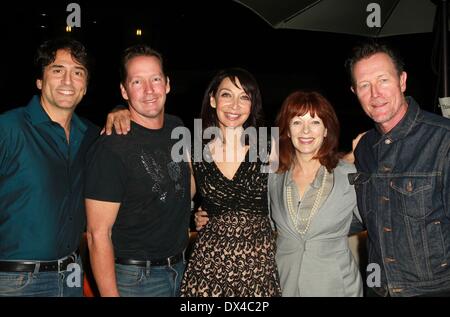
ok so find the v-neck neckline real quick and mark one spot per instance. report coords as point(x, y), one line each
point(237, 170)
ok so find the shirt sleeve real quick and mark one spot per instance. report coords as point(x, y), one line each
point(2, 155)
point(105, 175)
point(3, 151)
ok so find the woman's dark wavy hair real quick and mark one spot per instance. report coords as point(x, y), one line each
point(250, 86)
point(46, 54)
point(300, 103)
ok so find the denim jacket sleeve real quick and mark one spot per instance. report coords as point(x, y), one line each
point(446, 187)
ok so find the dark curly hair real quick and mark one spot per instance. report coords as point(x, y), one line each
point(46, 54)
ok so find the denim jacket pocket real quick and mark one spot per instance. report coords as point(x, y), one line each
point(413, 194)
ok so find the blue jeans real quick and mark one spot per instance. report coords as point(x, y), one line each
point(43, 284)
point(156, 281)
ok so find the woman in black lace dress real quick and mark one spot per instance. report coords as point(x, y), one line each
point(234, 254)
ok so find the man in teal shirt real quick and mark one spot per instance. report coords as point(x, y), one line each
point(42, 152)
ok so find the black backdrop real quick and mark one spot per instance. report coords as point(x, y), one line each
point(196, 39)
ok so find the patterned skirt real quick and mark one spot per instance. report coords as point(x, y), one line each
point(234, 255)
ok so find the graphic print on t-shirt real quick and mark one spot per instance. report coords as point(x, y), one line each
point(155, 170)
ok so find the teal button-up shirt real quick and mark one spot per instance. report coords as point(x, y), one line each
point(42, 213)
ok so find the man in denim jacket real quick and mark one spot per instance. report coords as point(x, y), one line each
point(403, 180)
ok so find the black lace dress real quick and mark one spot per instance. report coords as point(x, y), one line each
point(234, 254)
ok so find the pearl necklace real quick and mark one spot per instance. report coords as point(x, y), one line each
point(295, 215)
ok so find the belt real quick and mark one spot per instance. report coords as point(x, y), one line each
point(39, 266)
point(145, 263)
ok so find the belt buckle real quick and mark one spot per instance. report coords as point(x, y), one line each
point(73, 257)
point(64, 262)
point(60, 263)
point(37, 267)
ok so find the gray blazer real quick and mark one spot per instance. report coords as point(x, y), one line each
point(319, 263)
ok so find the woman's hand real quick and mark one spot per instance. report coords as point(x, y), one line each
point(356, 140)
point(201, 219)
point(349, 157)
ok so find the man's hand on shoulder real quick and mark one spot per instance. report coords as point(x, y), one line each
point(120, 119)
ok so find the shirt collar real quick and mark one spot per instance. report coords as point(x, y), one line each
point(405, 125)
point(36, 112)
point(38, 115)
point(316, 182)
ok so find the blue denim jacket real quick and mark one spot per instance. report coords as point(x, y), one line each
point(403, 190)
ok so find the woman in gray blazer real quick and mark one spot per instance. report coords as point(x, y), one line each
point(312, 202)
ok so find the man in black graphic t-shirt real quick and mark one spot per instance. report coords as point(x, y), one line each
point(137, 197)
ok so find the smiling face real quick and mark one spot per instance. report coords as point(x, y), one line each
point(380, 90)
point(63, 83)
point(307, 134)
point(232, 104)
point(145, 88)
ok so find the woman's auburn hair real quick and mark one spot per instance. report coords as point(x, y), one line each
point(300, 103)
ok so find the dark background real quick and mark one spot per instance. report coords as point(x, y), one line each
point(197, 38)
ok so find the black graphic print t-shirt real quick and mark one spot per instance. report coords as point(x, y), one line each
point(137, 171)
